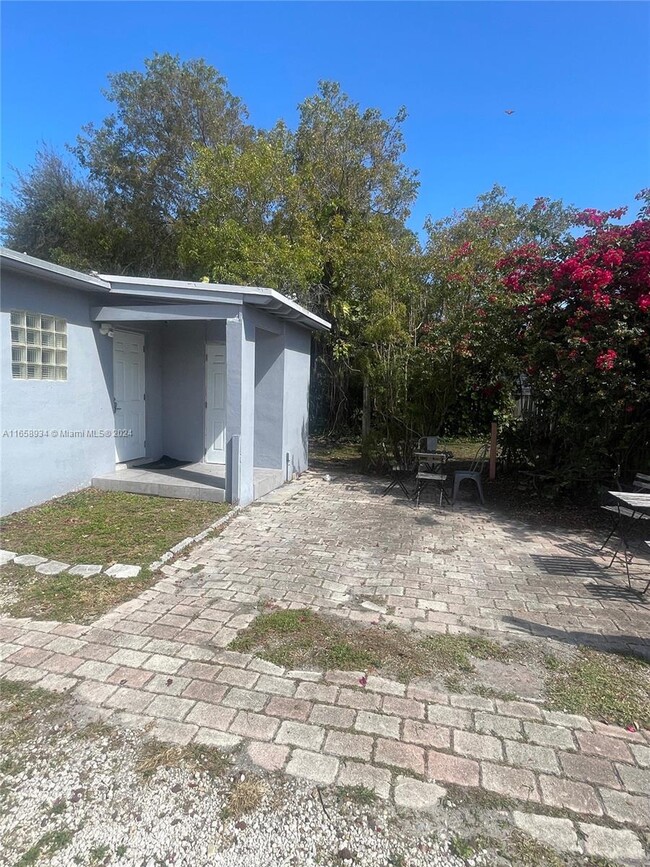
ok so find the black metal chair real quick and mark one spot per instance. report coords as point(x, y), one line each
point(400, 468)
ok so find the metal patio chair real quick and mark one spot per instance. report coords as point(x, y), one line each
point(473, 473)
point(431, 471)
point(400, 469)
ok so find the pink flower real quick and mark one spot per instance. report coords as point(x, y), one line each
point(613, 258)
point(644, 302)
point(590, 217)
point(606, 360)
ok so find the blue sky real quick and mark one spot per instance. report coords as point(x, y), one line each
point(577, 75)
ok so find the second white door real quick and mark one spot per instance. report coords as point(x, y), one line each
point(215, 403)
point(128, 395)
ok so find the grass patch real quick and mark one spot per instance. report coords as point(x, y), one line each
point(335, 455)
point(244, 797)
point(604, 686)
point(462, 448)
point(462, 848)
point(361, 795)
point(93, 526)
point(64, 597)
point(22, 709)
point(301, 639)
point(194, 757)
point(20, 703)
point(454, 652)
point(48, 845)
point(526, 852)
point(98, 855)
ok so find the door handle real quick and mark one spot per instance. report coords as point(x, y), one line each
point(115, 406)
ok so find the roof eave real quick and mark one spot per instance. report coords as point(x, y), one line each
point(21, 263)
point(201, 291)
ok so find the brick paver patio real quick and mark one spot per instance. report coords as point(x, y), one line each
point(160, 659)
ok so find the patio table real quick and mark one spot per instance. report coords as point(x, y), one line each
point(638, 505)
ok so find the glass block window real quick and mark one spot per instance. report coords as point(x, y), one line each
point(39, 346)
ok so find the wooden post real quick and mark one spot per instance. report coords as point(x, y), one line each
point(365, 415)
point(365, 427)
point(493, 452)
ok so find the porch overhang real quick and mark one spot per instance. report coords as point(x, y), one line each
point(166, 312)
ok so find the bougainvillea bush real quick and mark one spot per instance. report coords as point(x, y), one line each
point(583, 336)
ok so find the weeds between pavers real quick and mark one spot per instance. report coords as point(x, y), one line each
point(607, 686)
point(301, 639)
point(93, 526)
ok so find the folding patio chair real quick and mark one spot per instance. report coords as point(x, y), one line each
point(400, 469)
point(431, 472)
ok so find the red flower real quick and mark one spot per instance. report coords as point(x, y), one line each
point(606, 360)
point(644, 302)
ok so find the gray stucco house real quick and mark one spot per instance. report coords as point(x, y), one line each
point(104, 375)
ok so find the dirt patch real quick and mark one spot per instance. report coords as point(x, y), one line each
point(522, 680)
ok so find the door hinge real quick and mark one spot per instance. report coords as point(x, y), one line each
point(144, 397)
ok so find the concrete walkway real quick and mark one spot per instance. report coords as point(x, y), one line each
point(160, 660)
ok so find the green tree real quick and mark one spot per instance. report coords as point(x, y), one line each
point(358, 194)
point(57, 215)
point(318, 213)
point(467, 354)
point(249, 226)
point(134, 178)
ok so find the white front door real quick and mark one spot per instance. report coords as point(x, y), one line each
point(215, 403)
point(128, 395)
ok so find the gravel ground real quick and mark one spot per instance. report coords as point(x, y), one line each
point(73, 794)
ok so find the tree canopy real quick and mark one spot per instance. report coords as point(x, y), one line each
point(427, 338)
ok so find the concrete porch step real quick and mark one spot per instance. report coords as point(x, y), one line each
point(190, 482)
point(166, 489)
point(198, 481)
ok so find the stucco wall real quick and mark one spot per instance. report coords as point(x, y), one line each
point(34, 469)
point(183, 390)
point(269, 399)
point(297, 358)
